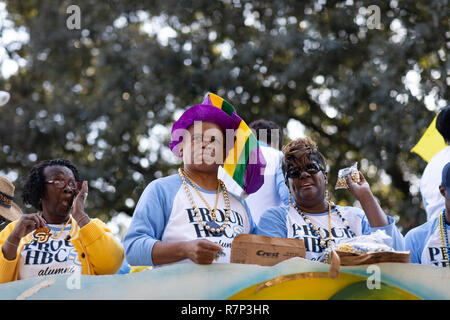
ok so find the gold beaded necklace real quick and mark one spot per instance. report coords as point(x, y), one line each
point(323, 242)
point(444, 237)
point(211, 226)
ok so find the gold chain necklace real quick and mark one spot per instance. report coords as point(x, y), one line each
point(62, 229)
point(43, 234)
point(213, 211)
point(211, 226)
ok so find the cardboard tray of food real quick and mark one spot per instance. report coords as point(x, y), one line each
point(353, 259)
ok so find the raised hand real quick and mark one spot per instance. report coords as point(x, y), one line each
point(78, 212)
point(26, 224)
point(359, 189)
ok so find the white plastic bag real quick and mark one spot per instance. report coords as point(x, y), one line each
point(377, 241)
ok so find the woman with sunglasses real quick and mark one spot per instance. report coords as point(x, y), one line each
point(311, 216)
point(60, 238)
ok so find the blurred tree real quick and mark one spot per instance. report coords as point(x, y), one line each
point(105, 96)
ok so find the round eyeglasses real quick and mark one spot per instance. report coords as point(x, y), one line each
point(61, 184)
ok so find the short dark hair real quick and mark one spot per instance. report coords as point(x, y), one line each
point(266, 136)
point(298, 153)
point(443, 123)
point(35, 184)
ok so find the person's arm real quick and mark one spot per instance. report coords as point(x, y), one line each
point(146, 227)
point(142, 243)
point(7, 266)
point(253, 227)
point(417, 239)
point(273, 223)
point(200, 251)
point(374, 218)
point(26, 224)
point(78, 213)
point(104, 253)
point(280, 185)
point(396, 241)
point(9, 243)
point(414, 246)
point(361, 191)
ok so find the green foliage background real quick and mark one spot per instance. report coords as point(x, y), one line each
point(93, 95)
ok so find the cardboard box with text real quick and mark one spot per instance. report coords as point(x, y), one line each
point(265, 251)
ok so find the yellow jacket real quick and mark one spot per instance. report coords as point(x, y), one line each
point(98, 251)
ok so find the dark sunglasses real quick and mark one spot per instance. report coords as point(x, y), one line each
point(310, 168)
point(60, 184)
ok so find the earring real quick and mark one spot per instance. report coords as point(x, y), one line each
point(327, 196)
point(290, 199)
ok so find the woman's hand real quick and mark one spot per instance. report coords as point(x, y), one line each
point(78, 206)
point(26, 224)
point(202, 251)
point(361, 189)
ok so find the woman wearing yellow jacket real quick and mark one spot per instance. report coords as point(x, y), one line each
point(60, 238)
